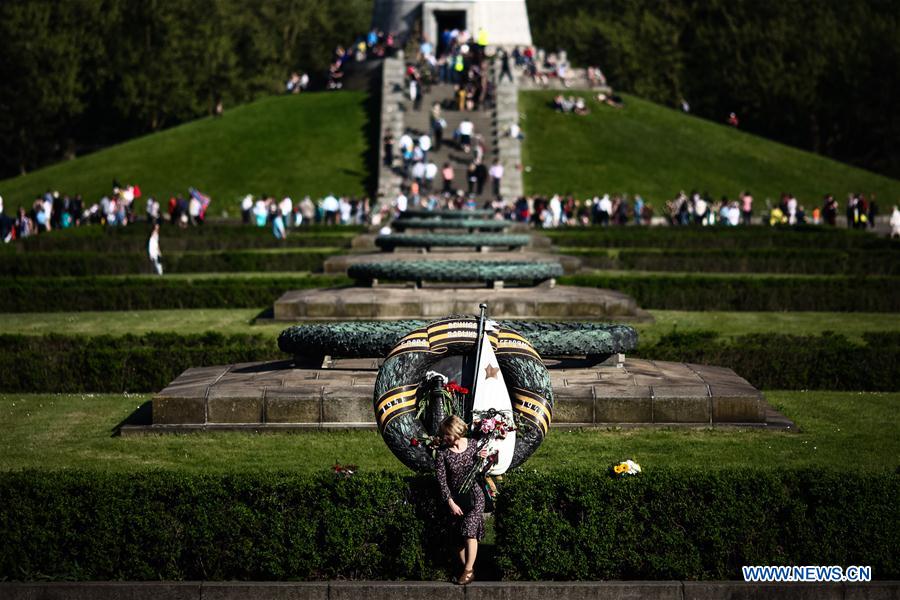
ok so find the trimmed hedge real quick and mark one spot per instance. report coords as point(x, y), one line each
point(810, 262)
point(706, 524)
point(736, 238)
point(80, 525)
point(130, 363)
point(565, 525)
point(791, 362)
point(73, 294)
point(211, 236)
point(750, 293)
point(653, 291)
point(45, 264)
point(147, 363)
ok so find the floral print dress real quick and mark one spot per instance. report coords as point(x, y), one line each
point(451, 469)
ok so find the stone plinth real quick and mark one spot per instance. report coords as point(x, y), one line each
point(389, 302)
point(277, 396)
point(339, 264)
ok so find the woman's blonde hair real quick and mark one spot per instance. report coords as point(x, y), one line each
point(453, 426)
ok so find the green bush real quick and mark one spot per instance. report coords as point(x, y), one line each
point(657, 291)
point(754, 260)
point(750, 292)
point(791, 362)
point(705, 524)
point(565, 525)
point(107, 263)
point(147, 363)
point(73, 294)
point(167, 526)
point(211, 236)
point(724, 238)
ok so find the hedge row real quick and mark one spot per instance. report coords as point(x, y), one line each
point(750, 292)
point(654, 291)
point(130, 363)
point(695, 525)
point(738, 238)
point(46, 264)
point(566, 525)
point(147, 363)
point(169, 526)
point(813, 261)
point(211, 236)
point(791, 362)
point(71, 294)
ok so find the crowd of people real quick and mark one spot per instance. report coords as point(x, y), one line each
point(280, 215)
point(55, 210)
point(684, 209)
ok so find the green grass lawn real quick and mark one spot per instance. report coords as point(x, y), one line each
point(655, 151)
point(311, 144)
point(836, 430)
point(241, 320)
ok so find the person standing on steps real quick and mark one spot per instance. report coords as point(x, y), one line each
point(447, 174)
point(504, 67)
point(496, 173)
point(453, 462)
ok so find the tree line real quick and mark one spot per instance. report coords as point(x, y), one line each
point(76, 75)
point(819, 75)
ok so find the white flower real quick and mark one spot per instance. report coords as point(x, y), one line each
point(435, 375)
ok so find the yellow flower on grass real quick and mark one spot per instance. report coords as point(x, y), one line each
point(620, 468)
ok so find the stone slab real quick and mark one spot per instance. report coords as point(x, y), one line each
point(738, 590)
point(575, 590)
point(432, 590)
point(339, 394)
point(397, 302)
point(339, 264)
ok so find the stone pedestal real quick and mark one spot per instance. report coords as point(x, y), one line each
point(395, 302)
point(276, 396)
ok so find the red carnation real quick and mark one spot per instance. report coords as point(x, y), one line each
point(414, 442)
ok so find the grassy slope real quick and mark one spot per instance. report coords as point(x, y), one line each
point(837, 431)
point(240, 320)
point(283, 145)
point(655, 151)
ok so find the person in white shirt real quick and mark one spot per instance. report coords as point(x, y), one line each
point(286, 206)
point(330, 206)
point(496, 173)
point(431, 171)
point(734, 214)
point(153, 250)
point(895, 223)
point(401, 203)
point(425, 143)
point(246, 208)
point(466, 130)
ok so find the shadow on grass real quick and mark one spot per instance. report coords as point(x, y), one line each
point(142, 416)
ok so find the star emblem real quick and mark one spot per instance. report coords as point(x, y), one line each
point(491, 371)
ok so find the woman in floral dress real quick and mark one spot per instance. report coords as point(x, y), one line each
point(454, 461)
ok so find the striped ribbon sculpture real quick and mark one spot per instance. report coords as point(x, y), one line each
point(399, 386)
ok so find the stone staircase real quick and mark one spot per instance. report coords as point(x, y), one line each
point(419, 121)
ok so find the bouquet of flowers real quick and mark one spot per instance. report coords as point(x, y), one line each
point(487, 426)
point(450, 394)
point(626, 468)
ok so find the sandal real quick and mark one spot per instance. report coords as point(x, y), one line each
point(467, 577)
